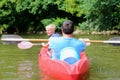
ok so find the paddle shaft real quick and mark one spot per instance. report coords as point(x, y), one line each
point(46, 40)
point(100, 41)
point(31, 40)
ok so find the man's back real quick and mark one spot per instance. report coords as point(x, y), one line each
point(59, 43)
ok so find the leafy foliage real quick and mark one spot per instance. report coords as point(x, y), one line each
point(57, 21)
point(23, 16)
point(105, 15)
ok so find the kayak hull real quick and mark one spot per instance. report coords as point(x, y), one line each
point(60, 70)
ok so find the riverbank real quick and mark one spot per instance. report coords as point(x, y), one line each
point(113, 32)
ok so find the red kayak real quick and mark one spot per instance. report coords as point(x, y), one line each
point(60, 70)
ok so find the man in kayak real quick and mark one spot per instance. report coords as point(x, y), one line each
point(66, 48)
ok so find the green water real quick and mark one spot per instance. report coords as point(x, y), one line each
point(17, 64)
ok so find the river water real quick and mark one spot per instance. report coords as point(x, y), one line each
point(19, 64)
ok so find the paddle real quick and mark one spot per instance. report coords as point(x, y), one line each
point(9, 37)
point(27, 45)
point(14, 39)
point(115, 41)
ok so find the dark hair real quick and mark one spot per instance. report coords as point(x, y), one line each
point(68, 27)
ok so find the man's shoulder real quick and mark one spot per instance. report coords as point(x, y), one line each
point(78, 41)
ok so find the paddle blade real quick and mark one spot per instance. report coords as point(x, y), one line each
point(25, 45)
point(116, 39)
point(10, 36)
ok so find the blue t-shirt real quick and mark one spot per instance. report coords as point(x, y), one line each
point(56, 44)
point(55, 35)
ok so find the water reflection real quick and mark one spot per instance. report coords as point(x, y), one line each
point(45, 77)
point(25, 70)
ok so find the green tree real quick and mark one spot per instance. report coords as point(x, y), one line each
point(104, 15)
point(25, 15)
point(32, 15)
